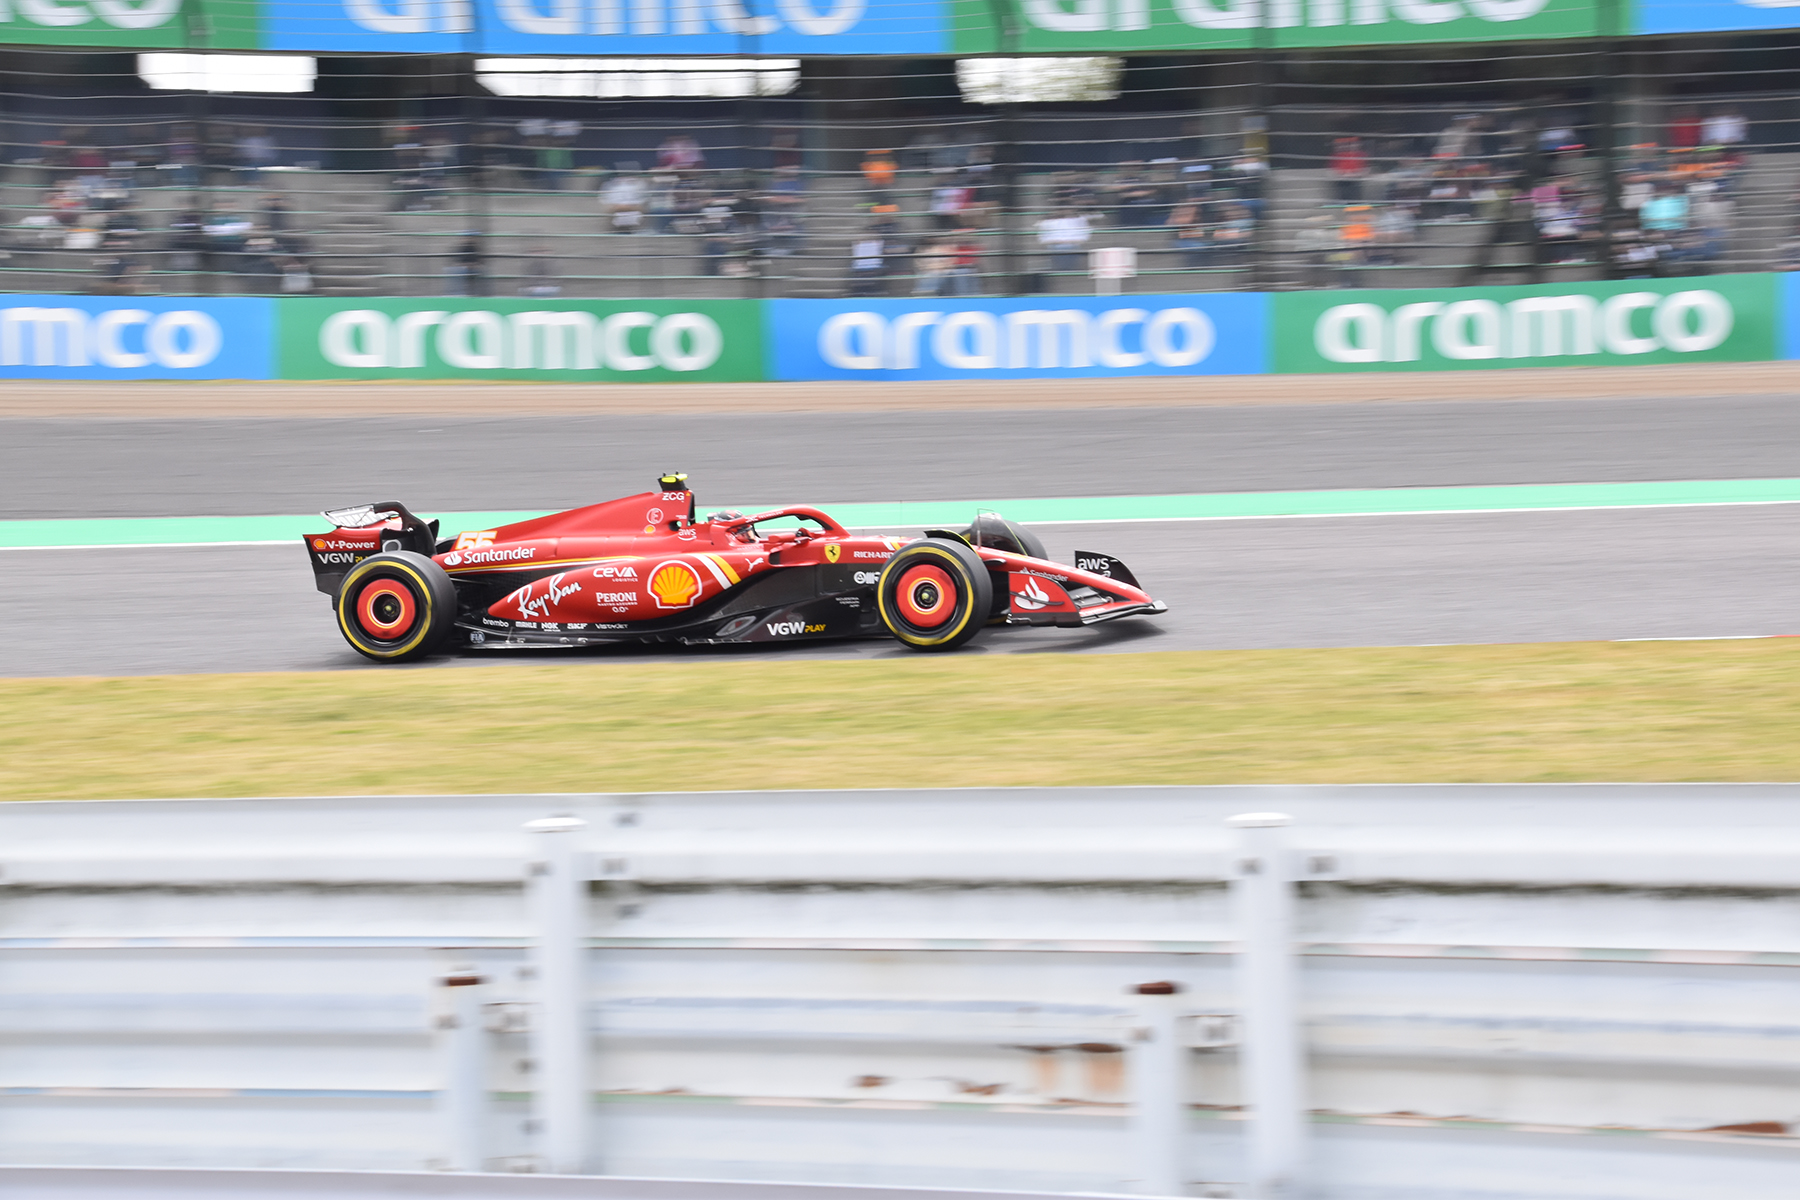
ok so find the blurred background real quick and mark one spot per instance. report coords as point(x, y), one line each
point(737, 176)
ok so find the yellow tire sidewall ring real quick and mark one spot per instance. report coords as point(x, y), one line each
point(421, 628)
point(958, 570)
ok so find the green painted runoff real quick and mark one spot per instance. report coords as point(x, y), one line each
point(204, 531)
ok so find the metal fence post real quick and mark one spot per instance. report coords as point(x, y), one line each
point(1159, 1093)
point(559, 1026)
point(1272, 1056)
point(464, 1097)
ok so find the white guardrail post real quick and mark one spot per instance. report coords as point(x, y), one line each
point(1272, 1055)
point(463, 1100)
point(559, 1041)
point(1159, 1093)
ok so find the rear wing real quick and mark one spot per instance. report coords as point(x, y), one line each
point(363, 530)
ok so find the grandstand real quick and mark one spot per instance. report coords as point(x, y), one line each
point(443, 174)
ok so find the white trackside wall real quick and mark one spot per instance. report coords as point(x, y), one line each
point(1504, 991)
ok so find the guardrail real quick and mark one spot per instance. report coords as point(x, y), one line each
point(924, 988)
point(126, 1183)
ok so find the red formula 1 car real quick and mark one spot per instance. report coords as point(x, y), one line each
point(646, 569)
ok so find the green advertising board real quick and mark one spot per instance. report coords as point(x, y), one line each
point(133, 24)
point(1634, 322)
point(1064, 26)
point(592, 341)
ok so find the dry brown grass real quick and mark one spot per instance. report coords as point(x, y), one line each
point(1645, 711)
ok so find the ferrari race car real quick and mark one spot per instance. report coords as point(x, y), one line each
point(646, 569)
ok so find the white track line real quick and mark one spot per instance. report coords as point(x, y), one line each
point(1404, 512)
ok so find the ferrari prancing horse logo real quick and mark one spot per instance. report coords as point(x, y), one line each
point(832, 553)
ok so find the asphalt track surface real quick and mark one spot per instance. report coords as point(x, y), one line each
point(1333, 581)
point(212, 467)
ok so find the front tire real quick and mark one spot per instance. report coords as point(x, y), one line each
point(396, 606)
point(934, 595)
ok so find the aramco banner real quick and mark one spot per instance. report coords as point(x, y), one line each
point(1043, 337)
point(824, 27)
point(618, 341)
point(1089, 25)
point(1720, 318)
point(139, 24)
point(1695, 16)
point(559, 27)
point(165, 337)
point(647, 27)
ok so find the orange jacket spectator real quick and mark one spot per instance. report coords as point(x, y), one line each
point(1359, 226)
point(879, 169)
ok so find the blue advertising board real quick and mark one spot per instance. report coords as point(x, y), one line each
point(1694, 16)
point(1787, 316)
point(133, 337)
point(652, 28)
point(1044, 337)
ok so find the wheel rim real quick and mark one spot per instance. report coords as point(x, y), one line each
point(926, 596)
point(386, 609)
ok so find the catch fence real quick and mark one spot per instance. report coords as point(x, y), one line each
point(683, 178)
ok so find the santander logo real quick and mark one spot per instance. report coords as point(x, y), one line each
point(1033, 597)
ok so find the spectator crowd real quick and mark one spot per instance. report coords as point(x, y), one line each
point(89, 204)
point(1531, 182)
point(923, 218)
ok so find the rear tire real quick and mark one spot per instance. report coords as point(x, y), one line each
point(935, 594)
point(396, 606)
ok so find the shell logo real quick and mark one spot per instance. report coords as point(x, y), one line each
point(318, 543)
point(674, 585)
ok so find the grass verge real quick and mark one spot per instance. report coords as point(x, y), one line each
point(1638, 711)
